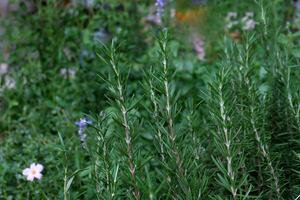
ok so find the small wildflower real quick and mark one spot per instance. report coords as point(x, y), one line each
point(199, 47)
point(297, 5)
point(68, 72)
point(9, 83)
point(82, 124)
point(231, 15)
point(249, 24)
point(230, 20)
point(173, 13)
point(160, 7)
point(3, 68)
point(34, 171)
point(155, 19)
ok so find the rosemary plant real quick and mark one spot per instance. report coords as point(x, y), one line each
point(119, 99)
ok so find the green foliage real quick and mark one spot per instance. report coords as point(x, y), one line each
point(166, 125)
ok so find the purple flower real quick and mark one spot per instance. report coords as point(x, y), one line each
point(160, 7)
point(82, 124)
point(154, 19)
point(199, 47)
point(297, 5)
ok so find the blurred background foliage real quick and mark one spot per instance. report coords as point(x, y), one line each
point(51, 49)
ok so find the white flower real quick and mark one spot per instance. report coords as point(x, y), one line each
point(230, 20)
point(9, 82)
point(249, 24)
point(232, 15)
point(68, 72)
point(173, 13)
point(3, 68)
point(33, 172)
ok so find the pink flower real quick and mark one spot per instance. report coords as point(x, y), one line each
point(33, 172)
point(199, 47)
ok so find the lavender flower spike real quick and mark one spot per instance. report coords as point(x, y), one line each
point(82, 124)
point(160, 7)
